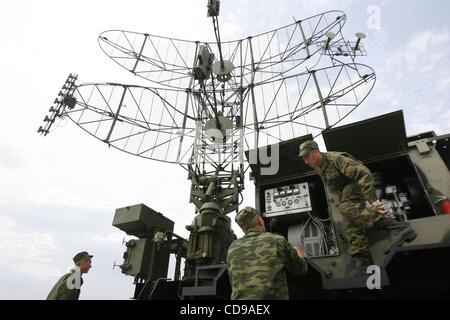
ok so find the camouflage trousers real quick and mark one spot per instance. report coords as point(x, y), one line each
point(357, 220)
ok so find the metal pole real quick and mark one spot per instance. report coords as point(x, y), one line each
point(116, 115)
point(304, 39)
point(140, 54)
point(322, 103)
point(241, 120)
point(251, 86)
point(188, 91)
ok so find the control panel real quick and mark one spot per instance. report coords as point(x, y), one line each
point(288, 199)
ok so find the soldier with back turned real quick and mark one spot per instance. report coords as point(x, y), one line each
point(257, 262)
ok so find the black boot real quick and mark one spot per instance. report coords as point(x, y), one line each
point(400, 232)
point(357, 266)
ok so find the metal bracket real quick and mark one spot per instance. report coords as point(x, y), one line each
point(422, 144)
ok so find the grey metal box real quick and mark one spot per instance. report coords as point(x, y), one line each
point(141, 221)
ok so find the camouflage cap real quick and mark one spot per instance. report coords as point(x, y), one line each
point(306, 147)
point(80, 256)
point(244, 216)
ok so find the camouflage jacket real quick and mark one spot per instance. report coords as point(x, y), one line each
point(347, 177)
point(61, 291)
point(256, 266)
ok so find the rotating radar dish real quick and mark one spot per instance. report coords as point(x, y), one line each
point(209, 102)
point(270, 55)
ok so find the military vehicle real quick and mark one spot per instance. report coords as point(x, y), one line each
point(216, 104)
point(412, 180)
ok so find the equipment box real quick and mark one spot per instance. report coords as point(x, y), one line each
point(141, 221)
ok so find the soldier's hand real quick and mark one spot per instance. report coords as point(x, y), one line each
point(300, 252)
point(379, 207)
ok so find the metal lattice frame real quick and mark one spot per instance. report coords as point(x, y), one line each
point(286, 83)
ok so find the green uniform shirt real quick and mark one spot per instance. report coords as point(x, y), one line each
point(347, 177)
point(61, 291)
point(256, 266)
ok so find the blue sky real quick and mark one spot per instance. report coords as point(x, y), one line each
point(58, 194)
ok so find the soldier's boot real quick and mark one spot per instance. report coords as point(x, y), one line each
point(400, 232)
point(357, 266)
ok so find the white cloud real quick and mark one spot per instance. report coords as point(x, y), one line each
point(64, 197)
point(250, 18)
point(26, 252)
point(414, 78)
point(112, 237)
point(423, 117)
point(443, 84)
point(425, 50)
point(321, 5)
point(9, 158)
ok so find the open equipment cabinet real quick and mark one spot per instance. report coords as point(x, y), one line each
point(411, 177)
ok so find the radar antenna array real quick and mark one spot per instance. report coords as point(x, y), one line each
point(210, 101)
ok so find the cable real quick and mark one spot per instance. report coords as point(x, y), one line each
point(217, 34)
point(325, 238)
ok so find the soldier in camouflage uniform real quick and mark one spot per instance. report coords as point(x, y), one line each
point(256, 263)
point(353, 184)
point(68, 286)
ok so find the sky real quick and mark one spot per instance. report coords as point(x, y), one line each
point(58, 193)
